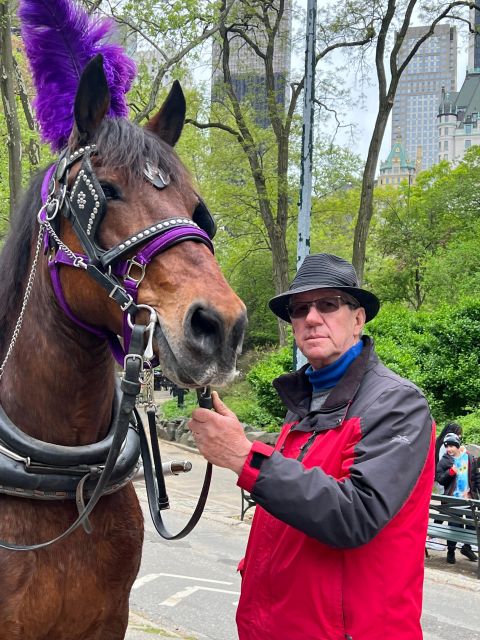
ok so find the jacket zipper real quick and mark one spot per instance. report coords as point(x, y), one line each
point(306, 445)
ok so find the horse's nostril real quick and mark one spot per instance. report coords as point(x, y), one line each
point(206, 329)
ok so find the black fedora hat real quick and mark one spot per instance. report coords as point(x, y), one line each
point(325, 271)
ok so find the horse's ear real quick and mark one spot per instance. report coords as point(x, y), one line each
point(92, 100)
point(168, 122)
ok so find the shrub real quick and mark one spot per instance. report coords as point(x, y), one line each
point(438, 352)
point(260, 378)
point(471, 427)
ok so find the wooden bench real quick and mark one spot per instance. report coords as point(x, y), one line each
point(247, 502)
point(446, 512)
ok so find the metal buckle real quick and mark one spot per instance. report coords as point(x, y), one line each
point(126, 304)
point(133, 263)
point(133, 356)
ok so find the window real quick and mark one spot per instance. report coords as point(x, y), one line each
point(445, 145)
point(468, 129)
point(468, 144)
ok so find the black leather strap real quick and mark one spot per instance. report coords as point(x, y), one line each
point(155, 483)
point(131, 388)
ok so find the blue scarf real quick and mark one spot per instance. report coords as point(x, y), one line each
point(327, 377)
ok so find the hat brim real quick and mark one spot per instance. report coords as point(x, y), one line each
point(367, 300)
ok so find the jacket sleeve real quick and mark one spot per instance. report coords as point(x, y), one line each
point(388, 460)
point(443, 475)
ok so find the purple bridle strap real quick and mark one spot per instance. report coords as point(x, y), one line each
point(157, 245)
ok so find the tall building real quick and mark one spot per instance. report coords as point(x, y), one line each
point(459, 112)
point(247, 67)
point(431, 70)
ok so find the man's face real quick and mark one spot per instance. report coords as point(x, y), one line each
point(324, 337)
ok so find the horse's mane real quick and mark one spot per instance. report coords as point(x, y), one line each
point(15, 256)
point(120, 145)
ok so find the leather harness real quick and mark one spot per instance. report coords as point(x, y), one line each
point(31, 468)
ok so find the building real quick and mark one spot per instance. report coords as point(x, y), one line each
point(397, 167)
point(247, 67)
point(431, 70)
point(458, 112)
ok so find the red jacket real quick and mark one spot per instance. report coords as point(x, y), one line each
point(336, 549)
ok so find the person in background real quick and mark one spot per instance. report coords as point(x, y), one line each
point(456, 473)
point(451, 427)
point(336, 548)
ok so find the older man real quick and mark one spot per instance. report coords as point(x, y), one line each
point(337, 542)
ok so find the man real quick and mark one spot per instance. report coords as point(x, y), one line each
point(456, 473)
point(337, 543)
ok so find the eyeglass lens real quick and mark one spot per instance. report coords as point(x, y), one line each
point(322, 305)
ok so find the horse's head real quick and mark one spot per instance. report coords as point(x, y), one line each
point(123, 181)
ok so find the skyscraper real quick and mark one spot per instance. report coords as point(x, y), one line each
point(247, 67)
point(431, 70)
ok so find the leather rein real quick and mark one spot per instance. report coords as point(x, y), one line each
point(91, 471)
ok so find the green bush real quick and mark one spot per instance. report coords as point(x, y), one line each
point(260, 378)
point(470, 424)
point(437, 351)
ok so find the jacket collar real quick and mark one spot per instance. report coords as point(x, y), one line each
point(295, 389)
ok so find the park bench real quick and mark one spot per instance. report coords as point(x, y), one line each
point(446, 512)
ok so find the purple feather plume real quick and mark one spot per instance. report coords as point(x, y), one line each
point(60, 39)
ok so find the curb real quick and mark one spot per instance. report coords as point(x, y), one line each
point(139, 626)
point(462, 582)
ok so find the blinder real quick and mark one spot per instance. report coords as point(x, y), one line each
point(204, 219)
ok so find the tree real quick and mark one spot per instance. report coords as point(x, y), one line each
point(427, 229)
point(392, 19)
point(256, 27)
point(7, 90)
point(169, 33)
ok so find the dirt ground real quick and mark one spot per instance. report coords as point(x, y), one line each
point(438, 560)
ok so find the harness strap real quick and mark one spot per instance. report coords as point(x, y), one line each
point(130, 387)
point(155, 482)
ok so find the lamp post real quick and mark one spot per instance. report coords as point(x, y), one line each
point(305, 203)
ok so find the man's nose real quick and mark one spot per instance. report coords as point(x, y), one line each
point(313, 316)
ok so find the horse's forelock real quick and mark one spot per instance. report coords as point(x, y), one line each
point(123, 145)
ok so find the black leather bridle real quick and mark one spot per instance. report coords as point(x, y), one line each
point(116, 269)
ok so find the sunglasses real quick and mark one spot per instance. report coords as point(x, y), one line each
point(329, 304)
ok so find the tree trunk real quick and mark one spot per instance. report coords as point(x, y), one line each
point(280, 274)
point(7, 89)
point(365, 210)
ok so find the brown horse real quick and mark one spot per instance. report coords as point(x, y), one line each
point(58, 380)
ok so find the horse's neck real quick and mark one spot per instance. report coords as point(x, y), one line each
point(58, 384)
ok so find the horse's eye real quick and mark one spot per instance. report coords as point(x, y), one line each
point(110, 191)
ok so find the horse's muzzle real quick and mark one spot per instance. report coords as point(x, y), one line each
point(210, 334)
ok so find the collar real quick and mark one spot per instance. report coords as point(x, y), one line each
point(295, 389)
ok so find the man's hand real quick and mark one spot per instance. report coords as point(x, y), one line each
point(219, 436)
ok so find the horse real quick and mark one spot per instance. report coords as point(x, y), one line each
point(58, 377)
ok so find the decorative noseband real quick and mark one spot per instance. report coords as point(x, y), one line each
point(85, 206)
